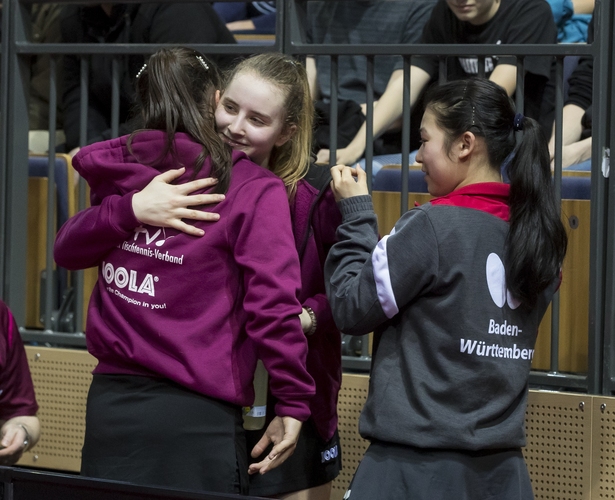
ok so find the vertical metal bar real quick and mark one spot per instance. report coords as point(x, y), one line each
point(559, 126)
point(51, 196)
point(83, 101)
point(333, 119)
point(83, 130)
point(557, 186)
point(115, 96)
point(281, 41)
point(442, 70)
point(369, 121)
point(602, 242)
point(4, 94)
point(520, 87)
point(16, 159)
point(405, 138)
point(481, 67)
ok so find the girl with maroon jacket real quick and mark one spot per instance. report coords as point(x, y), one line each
point(265, 110)
point(177, 322)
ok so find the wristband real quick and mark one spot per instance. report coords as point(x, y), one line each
point(26, 441)
point(312, 316)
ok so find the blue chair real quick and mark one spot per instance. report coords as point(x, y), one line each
point(576, 188)
point(381, 161)
point(38, 168)
point(389, 179)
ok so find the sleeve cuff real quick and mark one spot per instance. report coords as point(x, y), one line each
point(126, 216)
point(356, 204)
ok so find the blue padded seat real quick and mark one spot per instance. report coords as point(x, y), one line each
point(38, 166)
point(576, 188)
point(389, 179)
point(380, 161)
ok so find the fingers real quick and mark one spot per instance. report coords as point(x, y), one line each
point(197, 185)
point(170, 175)
point(277, 457)
point(261, 446)
point(189, 187)
point(361, 175)
point(201, 199)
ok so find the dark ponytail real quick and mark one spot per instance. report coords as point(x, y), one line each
point(536, 241)
point(176, 93)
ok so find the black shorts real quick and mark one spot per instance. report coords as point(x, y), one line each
point(314, 462)
point(394, 472)
point(154, 432)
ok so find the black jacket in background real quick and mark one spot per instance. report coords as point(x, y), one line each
point(171, 22)
point(581, 84)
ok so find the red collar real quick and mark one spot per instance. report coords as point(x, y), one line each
point(490, 197)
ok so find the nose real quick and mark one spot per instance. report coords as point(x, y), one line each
point(419, 155)
point(235, 127)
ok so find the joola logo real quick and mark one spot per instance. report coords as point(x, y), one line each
point(149, 238)
point(124, 278)
point(328, 455)
point(496, 281)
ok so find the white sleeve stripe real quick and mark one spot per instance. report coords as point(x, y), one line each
point(382, 278)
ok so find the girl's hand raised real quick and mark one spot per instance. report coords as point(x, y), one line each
point(163, 204)
point(348, 182)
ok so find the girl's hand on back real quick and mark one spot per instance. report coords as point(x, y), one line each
point(348, 182)
point(163, 204)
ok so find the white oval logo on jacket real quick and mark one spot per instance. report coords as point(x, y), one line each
point(496, 281)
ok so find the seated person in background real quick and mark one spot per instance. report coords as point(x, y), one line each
point(358, 23)
point(20, 429)
point(480, 22)
point(170, 22)
point(572, 18)
point(577, 115)
point(256, 17)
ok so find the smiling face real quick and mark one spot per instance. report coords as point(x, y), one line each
point(250, 117)
point(443, 170)
point(475, 12)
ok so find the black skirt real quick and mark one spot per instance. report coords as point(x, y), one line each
point(154, 432)
point(394, 472)
point(315, 462)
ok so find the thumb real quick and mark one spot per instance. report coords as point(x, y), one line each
point(8, 438)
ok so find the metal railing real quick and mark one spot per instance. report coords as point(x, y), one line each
point(291, 38)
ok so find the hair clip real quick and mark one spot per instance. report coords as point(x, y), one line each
point(518, 122)
point(141, 70)
point(203, 63)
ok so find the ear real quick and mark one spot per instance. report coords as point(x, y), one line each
point(217, 97)
point(288, 132)
point(466, 145)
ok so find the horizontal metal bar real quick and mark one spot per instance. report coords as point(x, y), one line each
point(316, 49)
point(357, 363)
point(58, 339)
point(443, 49)
point(27, 48)
point(558, 380)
